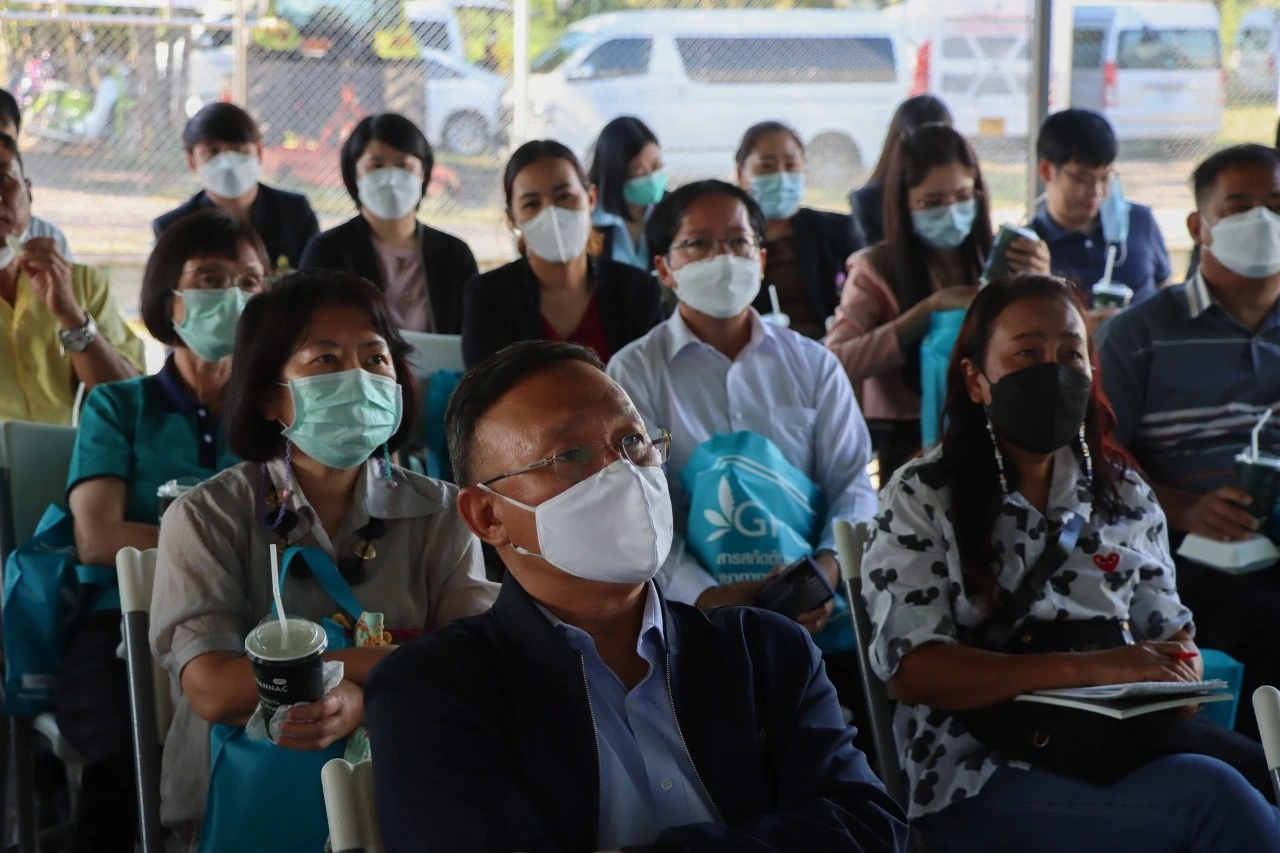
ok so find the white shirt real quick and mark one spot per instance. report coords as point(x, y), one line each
point(782, 386)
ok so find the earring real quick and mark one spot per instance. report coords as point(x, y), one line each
point(1088, 457)
point(386, 467)
point(995, 446)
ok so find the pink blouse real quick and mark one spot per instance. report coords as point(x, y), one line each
point(867, 345)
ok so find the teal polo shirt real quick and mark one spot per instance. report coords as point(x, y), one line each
point(146, 431)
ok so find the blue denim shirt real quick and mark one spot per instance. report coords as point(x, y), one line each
point(647, 780)
point(623, 250)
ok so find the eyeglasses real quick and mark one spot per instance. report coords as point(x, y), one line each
point(1089, 181)
point(212, 277)
point(575, 464)
point(704, 247)
point(933, 202)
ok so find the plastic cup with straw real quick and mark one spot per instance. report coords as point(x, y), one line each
point(1108, 293)
point(775, 316)
point(1259, 474)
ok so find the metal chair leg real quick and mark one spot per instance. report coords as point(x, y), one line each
point(24, 782)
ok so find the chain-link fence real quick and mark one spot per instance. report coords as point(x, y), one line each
point(106, 89)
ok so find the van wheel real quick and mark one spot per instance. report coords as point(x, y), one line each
point(832, 161)
point(467, 134)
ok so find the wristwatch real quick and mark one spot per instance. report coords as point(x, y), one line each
point(79, 338)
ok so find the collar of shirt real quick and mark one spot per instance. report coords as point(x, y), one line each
point(680, 337)
point(1199, 297)
point(1052, 232)
point(174, 396)
point(1068, 491)
point(375, 497)
point(650, 643)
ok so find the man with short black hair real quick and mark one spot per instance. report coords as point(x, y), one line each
point(1189, 373)
point(584, 712)
point(59, 324)
point(11, 126)
point(224, 148)
point(1084, 213)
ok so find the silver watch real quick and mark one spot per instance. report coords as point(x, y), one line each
point(79, 338)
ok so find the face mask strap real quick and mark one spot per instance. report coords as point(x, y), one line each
point(273, 524)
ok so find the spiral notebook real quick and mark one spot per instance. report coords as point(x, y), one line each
point(1123, 701)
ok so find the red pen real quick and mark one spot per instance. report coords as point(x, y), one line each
point(1185, 655)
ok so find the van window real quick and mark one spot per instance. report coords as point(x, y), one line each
point(555, 56)
point(1254, 39)
point(434, 70)
point(1168, 50)
point(1086, 48)
point(857, 59)
point(432, 34)
point(956, 48)
point(616, 58)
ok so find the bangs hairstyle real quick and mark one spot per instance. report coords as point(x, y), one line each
point(910, 114)
point(210, 233)
point(667, 217)
point(917, 153)
point(1077, 136)
point(490, 381)
point(270, 332)
point(751, 139)
point(968, 456)
point(533, 151)
point(220, 122)
point(620, 142)
point(390, 129)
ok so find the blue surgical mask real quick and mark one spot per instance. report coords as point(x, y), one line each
point(778, 194)
point(1115, 215)
point(945, 227)
point(340, 419)
point(208, 326)
point(647, 189)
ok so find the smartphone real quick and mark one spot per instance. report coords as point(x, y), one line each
point(997, 262)
point(800, 587)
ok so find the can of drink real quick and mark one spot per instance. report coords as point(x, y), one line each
point(288, 667)
point(997, 262)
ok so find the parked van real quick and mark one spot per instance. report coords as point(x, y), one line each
point(701, 78)
point(1154, 69)
point(1253, 57)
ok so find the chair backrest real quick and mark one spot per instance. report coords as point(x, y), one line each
point(850, 541)
point(1266, 707)
point(137, 572)
point(348, 802)
point(433, 352)
point(36, 458)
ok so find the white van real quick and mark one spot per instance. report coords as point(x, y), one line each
point(1154, 69)
point(701, 78)
point(1253, 57)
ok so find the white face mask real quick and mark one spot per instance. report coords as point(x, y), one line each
point(9, 250)
point(557, 234)
point(1248, 243)
point(723, 286)
point(390, 193)
point(613, 527)
point(230, 174)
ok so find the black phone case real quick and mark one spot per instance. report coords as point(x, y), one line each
point(800, 588)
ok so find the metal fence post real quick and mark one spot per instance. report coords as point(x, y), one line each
point(240, 71)
point(520, 73)
point(1038, 96)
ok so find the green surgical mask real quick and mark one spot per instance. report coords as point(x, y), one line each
point(647, 190)
point(208, 326)
point(340, 419)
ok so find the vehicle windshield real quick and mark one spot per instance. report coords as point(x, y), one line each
point(555, 56)
point(1169, 50)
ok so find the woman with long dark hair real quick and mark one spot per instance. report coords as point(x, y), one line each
point(629, 179)
point(866, 204)
point(937, 235)
point(1025, 553)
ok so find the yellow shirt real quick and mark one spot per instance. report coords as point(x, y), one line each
point(36, 379)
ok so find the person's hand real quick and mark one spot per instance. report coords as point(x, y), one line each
point(955, 298)
point(319, 725)
point(1145, 661)
point(1097, 316)
point(50, 277)
point(1026, 255)
point(815, 620)
point(1219, 515)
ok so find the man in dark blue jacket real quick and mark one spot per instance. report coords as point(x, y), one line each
point(583, 712)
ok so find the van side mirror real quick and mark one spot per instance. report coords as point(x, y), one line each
point(582, 72)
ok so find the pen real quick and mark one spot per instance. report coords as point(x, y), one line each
point(1185, 655)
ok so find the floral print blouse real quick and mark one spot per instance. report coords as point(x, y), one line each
point(915, 593)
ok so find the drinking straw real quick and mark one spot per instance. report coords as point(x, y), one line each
point(275, 593)
point(1111, 262)
point(773, 299)
point(1253, 438)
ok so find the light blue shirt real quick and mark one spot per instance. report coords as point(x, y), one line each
point(647, 780)
point(623, 250)
point(783, 386)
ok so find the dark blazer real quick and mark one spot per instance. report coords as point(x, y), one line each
point(503, 306)
point(446, 261)
point(823, 243)
point(284, 221)
point(866, 205)
point(485, 741)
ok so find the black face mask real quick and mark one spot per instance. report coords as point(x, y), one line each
point(1040, 408)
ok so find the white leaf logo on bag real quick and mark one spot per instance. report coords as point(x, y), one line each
point(747, 518)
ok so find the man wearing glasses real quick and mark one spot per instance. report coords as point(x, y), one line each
point(584, 712)
point(1085, 215)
